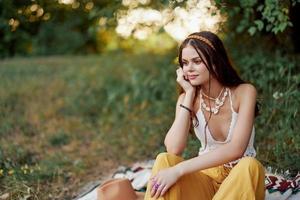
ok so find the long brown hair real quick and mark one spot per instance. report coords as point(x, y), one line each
point(215, 58)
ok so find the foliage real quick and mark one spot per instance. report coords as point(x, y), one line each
point(47, 27)
point(277, 78)
point(269, 16)
point(81, 109)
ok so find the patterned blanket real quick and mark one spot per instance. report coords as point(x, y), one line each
point(277, 186)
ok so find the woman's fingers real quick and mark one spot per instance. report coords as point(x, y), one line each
point(159, 190)
point(179, 71)
point(164, 190)
point(180, 74)
point(153, 189)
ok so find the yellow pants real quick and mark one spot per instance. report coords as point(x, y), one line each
point(245, 181)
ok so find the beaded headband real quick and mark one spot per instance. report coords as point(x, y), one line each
point(202, 39)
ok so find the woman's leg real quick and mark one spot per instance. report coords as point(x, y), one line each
point(193, 186)
point(245, 181)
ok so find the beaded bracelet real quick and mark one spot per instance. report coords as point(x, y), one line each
point(186, 108)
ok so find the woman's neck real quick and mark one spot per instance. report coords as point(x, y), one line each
point(215, 88)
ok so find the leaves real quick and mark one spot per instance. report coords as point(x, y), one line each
point(255, 16)
point(259, 24)
point(252, 30)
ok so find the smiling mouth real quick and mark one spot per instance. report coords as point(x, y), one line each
point(192, 77)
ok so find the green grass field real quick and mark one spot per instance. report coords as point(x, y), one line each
point(68, 120)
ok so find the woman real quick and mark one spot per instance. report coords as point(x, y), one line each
point(221, 107)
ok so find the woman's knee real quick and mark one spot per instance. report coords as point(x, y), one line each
point(252, 163)
point(168, 156)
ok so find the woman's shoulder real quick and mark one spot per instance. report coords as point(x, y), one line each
point(244, 89)
point(243, 92)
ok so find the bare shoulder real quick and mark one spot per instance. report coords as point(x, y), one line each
point(245, 90)
point(244, 94)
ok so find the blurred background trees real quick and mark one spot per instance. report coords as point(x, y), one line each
point(36, 27)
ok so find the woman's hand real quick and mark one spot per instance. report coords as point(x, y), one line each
point(183, 81)
point(162, 181)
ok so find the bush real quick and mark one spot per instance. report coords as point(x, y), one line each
point(277, 78)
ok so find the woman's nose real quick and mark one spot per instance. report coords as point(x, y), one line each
point(190, 67)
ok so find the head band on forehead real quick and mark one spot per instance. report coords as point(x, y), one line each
point(198, 37)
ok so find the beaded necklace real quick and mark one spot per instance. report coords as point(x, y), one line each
point(218, 102)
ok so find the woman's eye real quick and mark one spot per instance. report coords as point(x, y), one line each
point(198, 61)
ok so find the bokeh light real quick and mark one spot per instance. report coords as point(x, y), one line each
point(195, 15)
point(66, 1)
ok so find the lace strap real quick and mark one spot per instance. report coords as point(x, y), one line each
point(230, 99)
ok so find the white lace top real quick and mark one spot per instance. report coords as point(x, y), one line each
point(213, 144)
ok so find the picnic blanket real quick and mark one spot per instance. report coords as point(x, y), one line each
point(278, 186)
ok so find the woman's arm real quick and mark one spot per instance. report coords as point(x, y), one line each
point(176, 138)
point(240, 138)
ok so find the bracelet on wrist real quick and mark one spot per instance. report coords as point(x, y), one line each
point(183, 106)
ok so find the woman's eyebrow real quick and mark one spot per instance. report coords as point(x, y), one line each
point(192, 58)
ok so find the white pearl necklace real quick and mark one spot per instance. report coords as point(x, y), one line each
point(218, 102)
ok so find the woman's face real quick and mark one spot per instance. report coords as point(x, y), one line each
point(194, 68)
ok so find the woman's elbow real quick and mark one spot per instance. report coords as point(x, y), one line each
point(173, 147)
point(175, 151)
point(237, 153)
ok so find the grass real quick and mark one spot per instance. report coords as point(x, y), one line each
point(68, 120)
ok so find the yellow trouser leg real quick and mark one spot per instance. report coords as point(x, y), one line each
point(193, 186)
point(244, 182)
